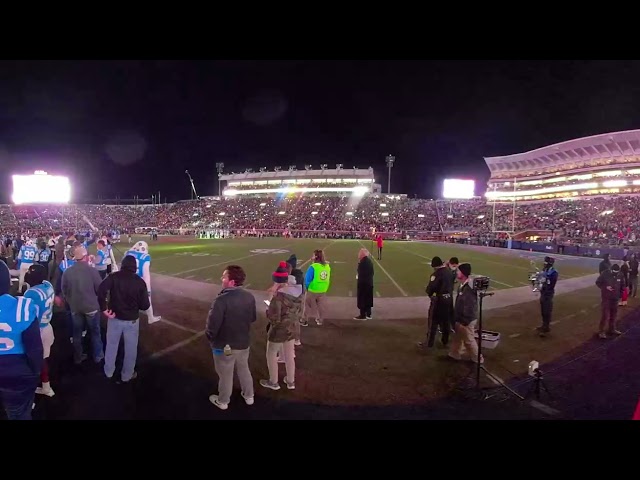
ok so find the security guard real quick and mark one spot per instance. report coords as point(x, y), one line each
point(440, 291)
point(546, 295)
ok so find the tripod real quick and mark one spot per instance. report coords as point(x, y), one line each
point(479, 366)
point(538, 383)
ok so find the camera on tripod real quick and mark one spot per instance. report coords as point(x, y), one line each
point(481, 283)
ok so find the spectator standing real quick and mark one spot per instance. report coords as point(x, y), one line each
point(20, 351)
point(80, 283)
point(605, 264)
point(466, 317)
point(380, 243)
point(365, 285)
point(228, 331)
point(610, 282)
point(317, 282)
point(127, 296)
point(624, 271)
point(4, 254)
point(283, 313)
point(633, 275)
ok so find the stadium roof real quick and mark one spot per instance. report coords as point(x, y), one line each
point(605, 146)
point(283, 174)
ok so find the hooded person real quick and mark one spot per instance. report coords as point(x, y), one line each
point(20, 351)
point(292, 262)
point(284, 314)
point(127, 297)
point(42, 294)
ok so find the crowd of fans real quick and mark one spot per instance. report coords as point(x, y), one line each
point(603, 220)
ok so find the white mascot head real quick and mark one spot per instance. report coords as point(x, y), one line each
point(141, 247)
point(29, 243)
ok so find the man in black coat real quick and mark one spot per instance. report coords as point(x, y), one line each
point(365, 285)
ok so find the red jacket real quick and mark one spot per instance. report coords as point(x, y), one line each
point(380, 242)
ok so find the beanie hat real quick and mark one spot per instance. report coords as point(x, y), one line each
point(293, 261)
point(454, 260)
point(5, 279)
point(36, 275)
point(436, 262)
point(281, 275)
point(129, 264)
point(465, 269)
point(615, 267)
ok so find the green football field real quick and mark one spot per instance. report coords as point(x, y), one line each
point(403, 271)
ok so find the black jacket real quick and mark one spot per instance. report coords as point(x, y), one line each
point(127, 293)
point(230, 318)
point(365, 272)
point(466, 308)
point(633, 268)
point(613, 280)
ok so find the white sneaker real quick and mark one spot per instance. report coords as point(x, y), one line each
point(214, 399)
point(297, 343)
point(247, 400)
point(45, 391)
point(319, 322)
point(154, 319)
point(84, 333)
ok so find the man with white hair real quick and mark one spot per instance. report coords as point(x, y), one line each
point(140, 252)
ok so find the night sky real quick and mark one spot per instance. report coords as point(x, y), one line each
point(132, 127)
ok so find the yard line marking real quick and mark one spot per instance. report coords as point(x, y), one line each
point(175, 347)
point(190, 276)
point(208, 279)
point(496, 281)
point(514, 335)
point(177, 325)
point(226, 262)
point(377, 294)
point(161, 272)
point(387, 273)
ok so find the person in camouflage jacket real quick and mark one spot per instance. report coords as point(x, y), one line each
point(284, 313)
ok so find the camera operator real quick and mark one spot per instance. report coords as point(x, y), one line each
point(466, 317)
point(546, 295)
point(611, 283)
point(440, 291)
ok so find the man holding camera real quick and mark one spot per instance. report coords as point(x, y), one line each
point(440, 291)
point(547, 291)
point(466, 318)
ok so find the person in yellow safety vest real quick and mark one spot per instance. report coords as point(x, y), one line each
point(317, 281)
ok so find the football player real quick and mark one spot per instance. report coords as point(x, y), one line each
point(140, 252)
point(20, 351)
point(43, 257)
point(26, 257)
point(42, 294)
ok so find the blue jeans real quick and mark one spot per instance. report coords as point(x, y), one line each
point(93, 326)
point(18, 398)
point(116, 329)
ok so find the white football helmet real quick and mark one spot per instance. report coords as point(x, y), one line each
point(141, 247)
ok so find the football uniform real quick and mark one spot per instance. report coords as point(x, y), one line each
point(26, 258)
point(42, 297)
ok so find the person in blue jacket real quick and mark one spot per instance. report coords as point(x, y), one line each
point(21, 352)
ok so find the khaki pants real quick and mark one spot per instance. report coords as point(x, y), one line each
point(316, 305)
point(464, 342)
point(288, 353)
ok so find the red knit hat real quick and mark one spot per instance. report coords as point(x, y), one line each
point(281, 275)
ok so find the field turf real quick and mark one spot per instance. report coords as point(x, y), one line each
point(403, 271)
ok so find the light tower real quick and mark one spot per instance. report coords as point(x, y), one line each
point(219, 168)
point(390, 159)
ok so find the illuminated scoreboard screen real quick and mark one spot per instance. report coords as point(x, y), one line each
point(40, 188)
point(457, 188)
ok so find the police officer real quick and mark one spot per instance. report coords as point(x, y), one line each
point(440, 291)
point(546, 294)
point(20, 351)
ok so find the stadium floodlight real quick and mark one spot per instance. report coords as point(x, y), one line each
point(40, 188)
point(390, 160)
point(614, 183)
point(248, 170)
point(338, 166)
point(359, 191)
point(308, 167)
point(263, 169)
point(292, 168)
point(323, 166)
point(277, 169)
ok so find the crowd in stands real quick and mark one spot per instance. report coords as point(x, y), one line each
point(603, 220)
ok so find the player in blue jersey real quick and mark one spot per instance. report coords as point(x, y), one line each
point(20, 351)
point(112, 265)
point(43, 257)
point(26, 258)
point(101, 257)
point(140, 252)
point(42, 294)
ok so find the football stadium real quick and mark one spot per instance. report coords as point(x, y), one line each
point(570, 201)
